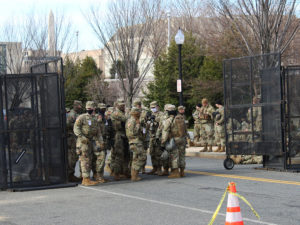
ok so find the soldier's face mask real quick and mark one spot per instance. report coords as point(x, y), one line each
point(172, 113)
point(90, 111)
point(154, 110)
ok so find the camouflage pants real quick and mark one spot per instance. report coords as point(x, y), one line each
point(98, 162)
point(85, 148)
point(155, 152)
point(197, 132)
point(120, 157)
point(174, 158)
point(72, 156)
point(139, 156)
point(220, 135)
point(207, 133)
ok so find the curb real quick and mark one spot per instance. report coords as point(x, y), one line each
point(195, 152)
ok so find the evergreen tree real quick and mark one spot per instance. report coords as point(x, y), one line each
point(77, 77)
point(202, 76)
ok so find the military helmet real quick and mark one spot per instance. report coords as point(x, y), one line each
point(90, 104)
point(110, 109)
point(137, 102)
point(166, 106)
point(181, 107)
point(153, 104)
point(135, 111)
point(77, 103)
point(120, 102)
point(171, 107)
point(101, 106)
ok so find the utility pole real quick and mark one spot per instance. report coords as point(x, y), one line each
point(169, 28)
point(77, 34)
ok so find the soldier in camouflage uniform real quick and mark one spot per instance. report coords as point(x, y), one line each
point(219, 127)
point(71, 138)
point(174, 128)
point(197, 126)
point(154, 143)
point(89, 141)
point(166, 162)
point(257, 118)
point(180, 119)
point(206, 120)
point(110, 135)
point(98, 161)
point(120, 155)
point(134, 132)
point(143, 120)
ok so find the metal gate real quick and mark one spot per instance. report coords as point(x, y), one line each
point(292, 84)
point(32, 135)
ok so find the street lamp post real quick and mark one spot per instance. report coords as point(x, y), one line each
point(179, 39)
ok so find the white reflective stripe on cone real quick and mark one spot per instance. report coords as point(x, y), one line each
point(234, 217)
point(233, 201)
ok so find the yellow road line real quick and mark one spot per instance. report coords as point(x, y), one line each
point(241, 177)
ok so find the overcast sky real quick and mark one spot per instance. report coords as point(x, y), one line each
point(72, 8)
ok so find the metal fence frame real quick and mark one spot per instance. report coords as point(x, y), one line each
point(46, 124)
point(276, 153)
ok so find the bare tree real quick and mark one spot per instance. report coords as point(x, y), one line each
point(97, 89)
point(128, 33)
point(26, 39)
point(264, 25)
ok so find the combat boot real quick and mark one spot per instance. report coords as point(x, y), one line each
point(174, 174)
point(159, 172)
point(182, 172)
point(72, 178)
point(209, 148)
point(117, 177)
point(222, 149)
point(143, 170)
point(166, 172)
point(152, 172)
point(88, 182)
point(134, 175)
point(205, 148)
point(98, 177)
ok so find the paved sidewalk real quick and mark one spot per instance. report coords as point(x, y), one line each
point(196, 152)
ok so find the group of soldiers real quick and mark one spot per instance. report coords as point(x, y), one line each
point(128, 135)
point(209, 126)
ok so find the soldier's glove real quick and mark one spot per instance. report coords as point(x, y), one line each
point(165, 155)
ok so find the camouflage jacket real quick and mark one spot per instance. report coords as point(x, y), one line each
point(220, 117)
point(87, 126)
point(118, 119)
point(164, 117)
point(134, 131)
point(71, 118)
point(205, 114)
point(196, 117)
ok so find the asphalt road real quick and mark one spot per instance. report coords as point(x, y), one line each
point(158, 200)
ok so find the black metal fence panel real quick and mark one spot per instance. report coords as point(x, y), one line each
point(293, 115)
point(32, 136)
point(253, 107)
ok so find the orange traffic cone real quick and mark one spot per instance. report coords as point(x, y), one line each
point(233, 215)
